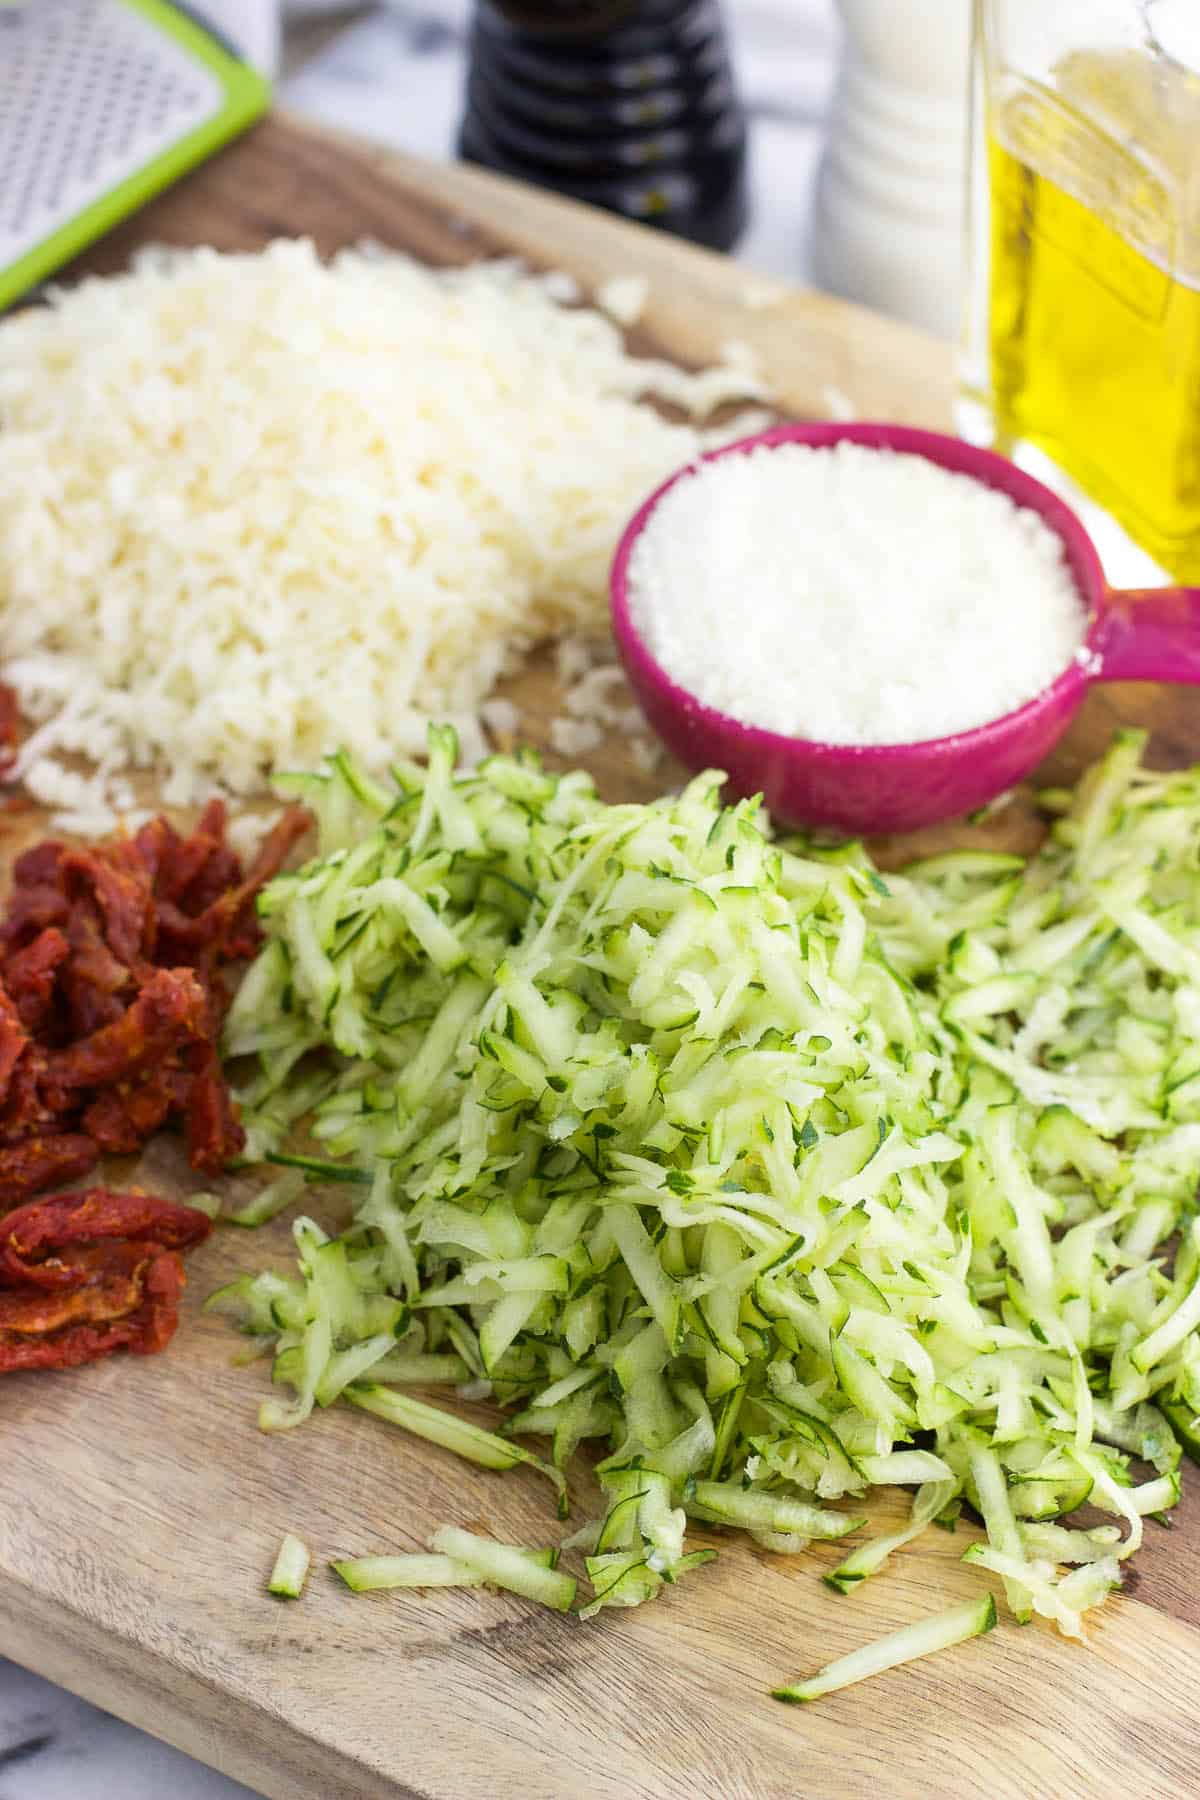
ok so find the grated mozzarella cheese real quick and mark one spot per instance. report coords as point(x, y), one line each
point(623, 298)
point(597, 702)
point(253, 507)
point(838, 404)
point(575, 737)
point(852, 596)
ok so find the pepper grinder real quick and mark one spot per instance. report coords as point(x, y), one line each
point(627, 104)
point(891, 194)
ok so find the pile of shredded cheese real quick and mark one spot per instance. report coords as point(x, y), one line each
point(255, 507)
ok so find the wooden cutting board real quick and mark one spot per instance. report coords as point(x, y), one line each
point(140, 1508)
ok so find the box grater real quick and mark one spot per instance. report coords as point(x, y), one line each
point(102, 104)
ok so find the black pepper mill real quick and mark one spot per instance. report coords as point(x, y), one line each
point(629, 104)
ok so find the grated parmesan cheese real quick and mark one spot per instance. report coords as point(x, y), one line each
point(852, 596)
point(253, 507)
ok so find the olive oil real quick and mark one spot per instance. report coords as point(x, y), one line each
point(1094, 305)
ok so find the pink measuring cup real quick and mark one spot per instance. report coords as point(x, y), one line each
point(869, 790)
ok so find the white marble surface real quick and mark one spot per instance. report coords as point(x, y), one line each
point(397, 75)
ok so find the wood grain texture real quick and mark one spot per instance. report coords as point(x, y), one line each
point(140, 1509)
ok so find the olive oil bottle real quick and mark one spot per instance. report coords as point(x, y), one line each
point(1086, 352)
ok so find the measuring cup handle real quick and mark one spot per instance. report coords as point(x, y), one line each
point(1149, 634)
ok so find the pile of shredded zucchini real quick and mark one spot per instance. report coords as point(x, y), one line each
point(780, 1179)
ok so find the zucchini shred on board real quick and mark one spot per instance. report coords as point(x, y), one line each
point(780, 1179)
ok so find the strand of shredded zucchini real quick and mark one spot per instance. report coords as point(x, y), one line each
point(782, 1180)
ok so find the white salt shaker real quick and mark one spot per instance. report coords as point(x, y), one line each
point(891, 195)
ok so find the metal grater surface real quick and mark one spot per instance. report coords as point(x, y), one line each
point(90, 92)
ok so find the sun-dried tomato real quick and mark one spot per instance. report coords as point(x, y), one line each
point(214, 1135)
point(40, 1162)
point(31, 1237)
point(14, 1040)
point(147, 1328)
point(10, 728)
point(122, 898)
point(122, 1117)
point(111, 999)
point(30, 974)
point(202, 868)
point(109, 1287)
point(84, 1274)
point(38, 866)
point(228, 924)
point(94, 980)
point(112, 995)
point(170, 1012)
point(31, 908)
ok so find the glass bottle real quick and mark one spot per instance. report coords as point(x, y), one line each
point(629, 104)
point(1083, 341)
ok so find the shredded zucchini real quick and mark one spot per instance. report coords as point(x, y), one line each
point(525, 1572)
point(291, 1569)
point(368, 1574)
point(776, 1180)
point(941, 1632)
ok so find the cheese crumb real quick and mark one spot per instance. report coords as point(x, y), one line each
point(624, 298)
point(575, 737)
point(648, 756)
point(759, 296)
point(502, 720)
point(838, 405)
